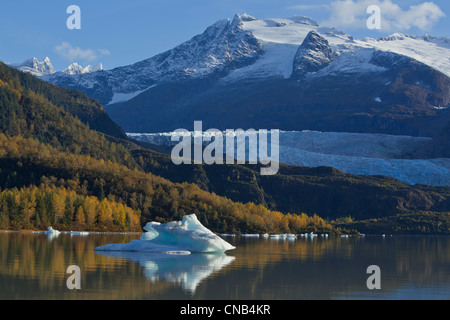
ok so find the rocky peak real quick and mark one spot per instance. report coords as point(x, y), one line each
point(313, 54)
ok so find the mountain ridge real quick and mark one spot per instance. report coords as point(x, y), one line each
point(253, 73)
point(45, 67)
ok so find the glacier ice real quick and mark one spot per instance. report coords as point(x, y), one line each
point(176, 237)
point(354, 153)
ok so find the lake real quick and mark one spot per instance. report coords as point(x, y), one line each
point(34, 265)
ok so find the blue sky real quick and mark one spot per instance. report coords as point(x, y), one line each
point(121, 32)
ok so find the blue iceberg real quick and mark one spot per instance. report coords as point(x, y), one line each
point(176, 237)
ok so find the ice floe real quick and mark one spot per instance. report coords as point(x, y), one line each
point(176, 237)
point(52, 231)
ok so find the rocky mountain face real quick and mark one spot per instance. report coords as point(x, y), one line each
point(314, 54)
point(439, 147)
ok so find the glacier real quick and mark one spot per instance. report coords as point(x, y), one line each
point(176, 237)
point(354, 153)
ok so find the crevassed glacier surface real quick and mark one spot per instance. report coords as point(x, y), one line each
point(355, 153)
point(176, 237)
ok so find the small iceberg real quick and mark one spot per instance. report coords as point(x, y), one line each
point(227, 235)
point(250, 235)
point(176, 237)
point(278, 236)
point(51, 231)
point(79, 233)
point(308, 235)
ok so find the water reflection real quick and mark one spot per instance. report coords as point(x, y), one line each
point(185, 270)
point(31, 267)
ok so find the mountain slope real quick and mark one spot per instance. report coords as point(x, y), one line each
point(222, 47)
point(439, 147)
point(86, 109)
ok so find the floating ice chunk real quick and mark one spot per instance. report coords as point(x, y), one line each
point(278, 236)
point(310, 235)
point(250, 235)
point(291, 236)
point(51, 231)
point(176, 237)
point(79, 233)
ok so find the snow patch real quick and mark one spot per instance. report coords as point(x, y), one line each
point(122, 97)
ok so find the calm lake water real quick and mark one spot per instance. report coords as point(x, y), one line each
point(33, 266)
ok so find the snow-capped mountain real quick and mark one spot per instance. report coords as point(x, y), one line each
point(224, 46)
point(36, 68)
point(45, 68)
point(290, 74)
point(75, 68)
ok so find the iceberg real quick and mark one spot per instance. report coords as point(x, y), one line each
point(278, 236)
point(176, 237)
point(51, 231)
point(79, 233)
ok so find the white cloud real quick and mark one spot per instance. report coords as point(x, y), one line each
point(353, 14)
point(72, 53)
